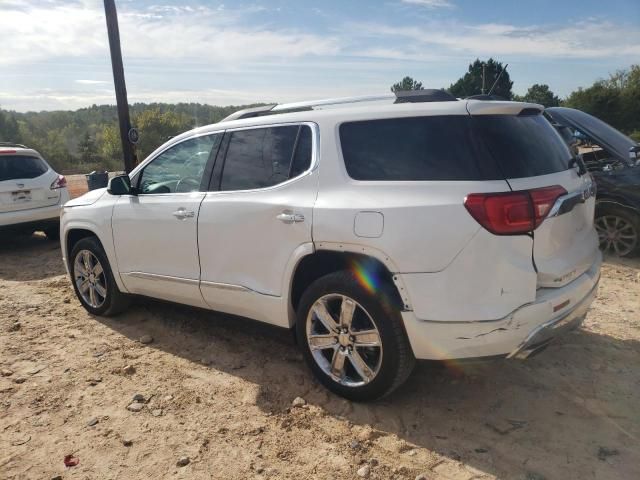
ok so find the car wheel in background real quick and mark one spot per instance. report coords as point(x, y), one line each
point(93, 280)
point(353, 341)
point(618, 230)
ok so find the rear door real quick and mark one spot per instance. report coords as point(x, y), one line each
point(532, 155)
point(258, 215)
point(25, 182)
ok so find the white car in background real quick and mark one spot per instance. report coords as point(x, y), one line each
point(383, 230)
point(31, 192)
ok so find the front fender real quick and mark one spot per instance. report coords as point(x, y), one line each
point(95, 218)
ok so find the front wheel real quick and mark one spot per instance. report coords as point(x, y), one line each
point(93, 280)
point(353, 340)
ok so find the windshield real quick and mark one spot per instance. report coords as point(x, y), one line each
point(16, 167)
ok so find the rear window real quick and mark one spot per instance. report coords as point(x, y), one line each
point(16, 167)
point(452, 148)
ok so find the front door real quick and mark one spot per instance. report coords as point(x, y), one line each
point(250, 228)
point(155, 231)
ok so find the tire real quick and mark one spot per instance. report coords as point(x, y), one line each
point(388, 365)
point(109, 301)
point(618, 230)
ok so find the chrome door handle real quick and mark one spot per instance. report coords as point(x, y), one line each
point(290, 217)
point(181, 214)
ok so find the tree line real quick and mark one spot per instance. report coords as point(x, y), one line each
point(88, 139)
point(615, 100)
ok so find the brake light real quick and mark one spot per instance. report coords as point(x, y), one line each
point(7, 151)
point(59, 182)
point(513, 213)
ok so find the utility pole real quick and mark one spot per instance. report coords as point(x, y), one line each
point(483, 83)
point(128, 135)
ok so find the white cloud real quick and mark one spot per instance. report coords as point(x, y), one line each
point(430, 3)
point(92, 82)
point(43, 31)
point(582, 40)
point(195, 52)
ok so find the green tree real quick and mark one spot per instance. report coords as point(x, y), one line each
point(615, 100)
point(539, 93)
point(88, 149)
point(156, 127)
point(407, 83)
point(9, 131)
point(471, 83)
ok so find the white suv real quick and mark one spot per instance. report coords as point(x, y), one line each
point(383, 231)
point(31, 192)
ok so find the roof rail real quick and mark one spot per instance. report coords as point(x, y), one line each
point(12, 144)
point(414, 96)
point(331, 101)
point(249, 113)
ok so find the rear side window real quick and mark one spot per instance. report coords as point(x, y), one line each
point(15, 167)
point(524, 146)
point(452, 148)
point(263, 157)
point(420, 148)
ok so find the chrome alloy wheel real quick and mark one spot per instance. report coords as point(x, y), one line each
point(616, 235)
point(344, 341)
point(90, 278)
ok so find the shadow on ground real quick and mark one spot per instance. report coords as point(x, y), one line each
point(569, 413)
point(29, 257)
point(495, 417)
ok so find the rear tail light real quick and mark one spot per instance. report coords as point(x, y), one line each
point(59, 182)
point(513, 213)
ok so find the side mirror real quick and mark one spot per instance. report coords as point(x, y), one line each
point(120, 185)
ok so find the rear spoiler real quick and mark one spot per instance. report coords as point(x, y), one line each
point(480, 107)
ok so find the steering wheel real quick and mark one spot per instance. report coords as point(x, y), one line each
point(194, 181)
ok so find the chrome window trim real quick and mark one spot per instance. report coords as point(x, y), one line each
point(155, 154)
point(315, 155)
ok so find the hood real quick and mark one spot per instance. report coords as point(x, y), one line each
point(88, 198)
point(610, 139)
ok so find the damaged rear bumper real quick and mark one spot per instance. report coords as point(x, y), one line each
point(520, 334)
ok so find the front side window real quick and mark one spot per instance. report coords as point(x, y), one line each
point(263, 157)
point(180, 168)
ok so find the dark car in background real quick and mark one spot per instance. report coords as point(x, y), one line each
point(614, 161)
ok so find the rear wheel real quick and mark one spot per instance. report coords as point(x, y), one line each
point(353, 341)
point(618, 230)
point(93, 280)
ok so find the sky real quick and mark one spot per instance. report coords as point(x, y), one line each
point(54, 54)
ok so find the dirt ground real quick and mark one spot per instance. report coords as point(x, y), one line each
point(219, 390)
